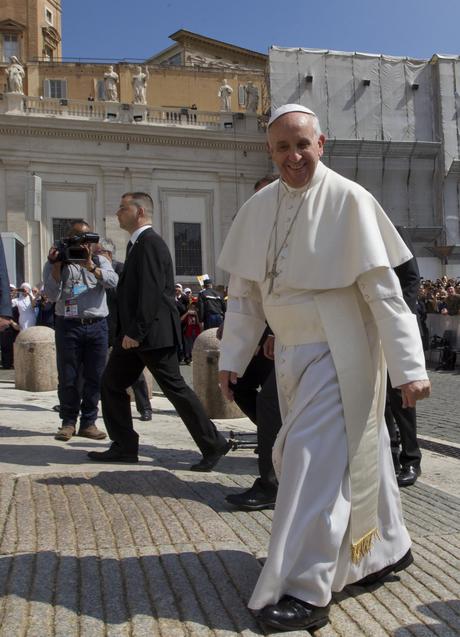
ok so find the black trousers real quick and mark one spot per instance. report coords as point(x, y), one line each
point(141, 394)
point(268, 426)
point(7, 338)
point(404, 421)
point(123, 369)
point(262, 407)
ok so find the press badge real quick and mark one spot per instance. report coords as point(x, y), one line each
point(78, 288)
point(71, 308)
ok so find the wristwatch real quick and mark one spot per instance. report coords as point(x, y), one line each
point(92, 268)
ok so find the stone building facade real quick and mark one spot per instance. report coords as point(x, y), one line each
point(53, 169)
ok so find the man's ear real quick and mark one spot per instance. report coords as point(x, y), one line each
point(321, 142)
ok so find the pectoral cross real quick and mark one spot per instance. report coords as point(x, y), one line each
point(272, 276)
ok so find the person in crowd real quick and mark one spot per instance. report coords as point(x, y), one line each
point(182, 302)
point(452, 301)
point(9, 334)
point(45, 307)
point(5, 304)
point(313, 254)
point(211, 306)
point(148, 332)
point(79, 290)
point(25, 302)
point(106, 248)
point(191, 329)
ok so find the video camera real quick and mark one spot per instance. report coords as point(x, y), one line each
point(70, 248)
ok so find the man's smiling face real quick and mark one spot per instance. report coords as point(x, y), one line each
point(295, 147)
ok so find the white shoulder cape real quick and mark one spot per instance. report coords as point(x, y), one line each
point(341, 232)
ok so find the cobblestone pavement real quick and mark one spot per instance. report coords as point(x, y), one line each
point(153, 549)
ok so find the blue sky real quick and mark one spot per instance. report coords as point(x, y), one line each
point(136, 29)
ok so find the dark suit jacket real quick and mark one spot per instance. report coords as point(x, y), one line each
point(5, 299)
point(146, 309)
point(408, 273)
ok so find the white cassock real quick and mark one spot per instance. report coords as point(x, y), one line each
point(335, 305)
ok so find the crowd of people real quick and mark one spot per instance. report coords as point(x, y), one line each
point(197, 312)
point(30, 307)
point(441, 296)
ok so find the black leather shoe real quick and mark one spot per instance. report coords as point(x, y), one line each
point(291, 613)
point(408, 475)
point(254, 499)
point(400, 565)
point(146, 415)
point(112, 455)
point(208, 462)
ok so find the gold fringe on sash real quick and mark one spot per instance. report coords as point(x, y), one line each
point(360, 548)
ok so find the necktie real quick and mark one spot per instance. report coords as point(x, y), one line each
point(128, 249)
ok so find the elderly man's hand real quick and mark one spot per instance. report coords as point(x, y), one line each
point(416, 390)
point(4, 323)
point(129, 343)
point(269, 347)
point(226, 380)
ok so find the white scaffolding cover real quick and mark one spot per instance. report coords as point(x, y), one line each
point(356, 95)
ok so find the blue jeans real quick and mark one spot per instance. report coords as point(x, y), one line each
point(213, 320)
point(80, 349)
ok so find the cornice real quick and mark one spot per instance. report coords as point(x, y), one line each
point(183, 139)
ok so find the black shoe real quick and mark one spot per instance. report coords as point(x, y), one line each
point(56, 408)
point(113, 454)
point(400, 565)
point(208, 462)
point(408, 475)
point(291, 613)
point(254, 499)
point(146, 415)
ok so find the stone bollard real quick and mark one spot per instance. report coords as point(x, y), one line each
point(35, 360)
point(206, 379)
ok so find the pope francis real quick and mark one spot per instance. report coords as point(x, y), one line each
point(313, 254)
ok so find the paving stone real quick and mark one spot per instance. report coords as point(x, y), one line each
point(154, 549)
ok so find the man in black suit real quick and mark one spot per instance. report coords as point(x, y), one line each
point(148, 331)
point(399, 419)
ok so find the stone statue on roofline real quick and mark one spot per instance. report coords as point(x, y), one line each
point(139, 83)
point(225, 95)
point(252, 98)
point(111, 85)
point(14, 75)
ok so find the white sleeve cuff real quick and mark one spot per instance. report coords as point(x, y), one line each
point(403, 348)
point(242, 334)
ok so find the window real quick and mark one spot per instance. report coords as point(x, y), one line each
point(61, 228)
point(242, 94)
point(55, 88)
point(48, 53)
point(48, 15)
point(100, 90)
point(187, 249)
point(175, 60)
point(9, 46)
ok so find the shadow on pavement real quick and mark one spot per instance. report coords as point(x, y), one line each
point(23, 407)
point(45, 455)
point(8, 432)
point(445, 618)
point(207, 588)
point(154, 482)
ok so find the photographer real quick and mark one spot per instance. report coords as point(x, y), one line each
point(77, 283)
